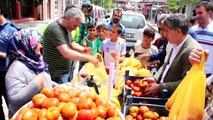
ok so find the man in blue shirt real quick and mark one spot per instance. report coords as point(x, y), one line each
point(6, 31)
point(116, 17)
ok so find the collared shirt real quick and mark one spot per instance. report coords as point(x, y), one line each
point(175, 50)
point(205, 38)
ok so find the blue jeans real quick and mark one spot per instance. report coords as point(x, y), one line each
point(62, 79)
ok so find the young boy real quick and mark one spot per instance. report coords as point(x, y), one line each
point(91, 40)
point(102, 32)
point(109, 46)
point(145, 47)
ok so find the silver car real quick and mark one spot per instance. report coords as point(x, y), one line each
point(135, 24)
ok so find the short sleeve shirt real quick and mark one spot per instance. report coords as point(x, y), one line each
point(107, 46)
point(95, 45)
point(54, 36)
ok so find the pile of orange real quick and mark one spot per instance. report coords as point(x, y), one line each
point(60, 103)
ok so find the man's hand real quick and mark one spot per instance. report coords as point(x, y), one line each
point(144, 57)
point(152, 90)
point(94, 61)
point(195, 55)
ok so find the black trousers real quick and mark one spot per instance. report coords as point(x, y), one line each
point(2, 93)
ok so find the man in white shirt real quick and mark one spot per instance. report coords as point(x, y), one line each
point(174, 69)
point(204, 30)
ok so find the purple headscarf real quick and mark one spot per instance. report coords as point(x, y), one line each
point(22, 47)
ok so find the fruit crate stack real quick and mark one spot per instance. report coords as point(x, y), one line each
point(156, 104)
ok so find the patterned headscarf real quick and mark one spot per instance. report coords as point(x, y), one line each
point(22, 47)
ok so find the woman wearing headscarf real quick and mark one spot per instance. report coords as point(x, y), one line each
point(27, 73)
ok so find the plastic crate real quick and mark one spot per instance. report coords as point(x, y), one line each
point(160, 109)
point(155, 103)
point(145, 100)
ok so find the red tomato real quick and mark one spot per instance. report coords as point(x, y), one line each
point(136, 89)
point(48, 102)
point(42, 113)
point(138, 94)
point(128, 83)
point(52, 113)
point(68, 110)
point(139, 117)
point(101, 111)
point(82, 94)
point(72, 93)
point(136, 83)
point(86, 114)
point(143, 109)
point(85, 103)
point(64, 97)
point(112, 112)
point(38, 99)
point(57, 90)
point(128, 117)
point(48, 92)
point(101, 101)
point(75, 100)
point(29, 115)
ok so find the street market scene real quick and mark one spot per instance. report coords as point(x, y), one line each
point(106, 60)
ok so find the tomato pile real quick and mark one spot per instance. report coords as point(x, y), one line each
point(143, 113)
point(138, 86)
point(62, 103)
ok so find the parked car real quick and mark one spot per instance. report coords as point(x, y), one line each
point(135, 24)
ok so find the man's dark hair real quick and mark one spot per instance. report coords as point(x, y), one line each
point(119, 28)
point(176, 21)
point(91, 25)
point(207, 5)
point(117, 10)
point(87, 6)
point(149, 32)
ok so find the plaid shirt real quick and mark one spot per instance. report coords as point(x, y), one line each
point(83, 30)
point(208, 115)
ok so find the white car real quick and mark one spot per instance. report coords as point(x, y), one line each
point(135, 23)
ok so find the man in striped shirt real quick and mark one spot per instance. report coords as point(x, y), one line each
point(204, 30)
point(59, 48)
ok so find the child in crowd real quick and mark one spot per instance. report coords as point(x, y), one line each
point(109, 46)
point(102, 32)
point(145, 47)
point(91, 40)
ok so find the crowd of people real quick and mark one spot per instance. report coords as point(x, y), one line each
point(25, 70)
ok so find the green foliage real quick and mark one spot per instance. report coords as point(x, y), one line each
point(104, 3)
point(174, 5)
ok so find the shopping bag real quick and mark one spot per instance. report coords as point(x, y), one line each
point(187, 102)
point(99, 73)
